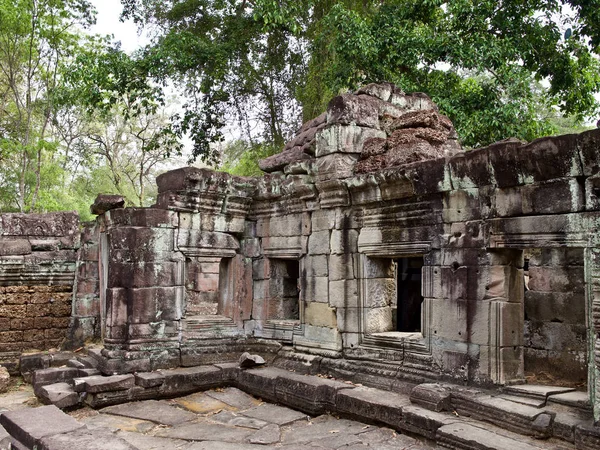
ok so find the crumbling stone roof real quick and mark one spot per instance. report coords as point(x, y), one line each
point(391, 129)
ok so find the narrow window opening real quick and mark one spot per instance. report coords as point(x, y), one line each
point(284, 290)
point(409, 298)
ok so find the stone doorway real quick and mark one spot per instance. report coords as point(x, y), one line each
point(408, 294)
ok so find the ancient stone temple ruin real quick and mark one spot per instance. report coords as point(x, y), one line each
point(373, 250)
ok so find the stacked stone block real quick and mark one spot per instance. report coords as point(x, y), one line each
point(555, 317)
point(37, 266)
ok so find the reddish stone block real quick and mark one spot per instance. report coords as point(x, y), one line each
point(21, 324)
point(33, 335)
point(13, 310)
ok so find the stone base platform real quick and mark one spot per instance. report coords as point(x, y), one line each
point(450, 415)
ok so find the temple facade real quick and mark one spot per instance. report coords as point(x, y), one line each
point(373, 249)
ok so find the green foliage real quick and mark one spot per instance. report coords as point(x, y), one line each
point(481, 62)
point(241, 158)
point(484, 62)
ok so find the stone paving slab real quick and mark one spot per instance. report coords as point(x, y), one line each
point(87, 439)
point(322, 427)
point(271, 434)
point(29, 426)
point(279, 415)
point(152, 410)
point(147, 442)
point(206, 431)
point(223, 446)
point(201, 403)
point(234, 397)
point(115, 423)
point(231, 418)
point(4, 439)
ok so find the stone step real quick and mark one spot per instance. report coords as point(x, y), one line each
point(536, 390)
point(519, 418)
point(576, 399)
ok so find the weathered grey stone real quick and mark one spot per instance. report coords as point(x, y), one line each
point(435, 397)
point(271, 434)
point(152, 410)
point(373, 404)
point(204, 431)
point(61, 395)
point(313, 395)
point(233, 397)
point(149, 379)
point(248, 361)
point(274, 414)
point(4, 379)
point(84, 438)
point(233, 419)
point(29, 426)
point(101, 383)
point(459, 435)
point(53, 375)
point(106, 202)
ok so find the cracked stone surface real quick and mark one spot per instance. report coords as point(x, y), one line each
point(230, 419)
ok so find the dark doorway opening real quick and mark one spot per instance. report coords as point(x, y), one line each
point(408, 289)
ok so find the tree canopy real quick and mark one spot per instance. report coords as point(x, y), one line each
point(497, 69)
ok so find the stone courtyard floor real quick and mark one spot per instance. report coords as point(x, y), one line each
point(225, 419)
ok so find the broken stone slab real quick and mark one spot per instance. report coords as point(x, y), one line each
point(4, 379)
point(105, 202)
point(95, 439)
point(30, 363)
point(100, 383)
point(61, 395)
point(155, 411)
point(248, 361)
point(373, 404)
point(29, 426)
point(432, 396)
point(44, 377)
point(75, 364)
point(464, 435)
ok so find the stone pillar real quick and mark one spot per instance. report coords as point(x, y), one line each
point(592, 285)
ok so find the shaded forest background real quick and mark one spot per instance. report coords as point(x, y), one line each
point(79, 116)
